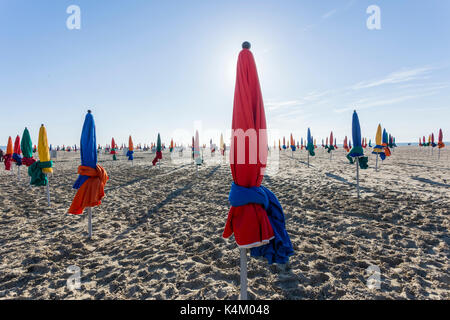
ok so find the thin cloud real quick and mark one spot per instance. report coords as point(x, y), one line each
point(398, 86)
point(308, 98)
point(379, 103)
point(329, 14)
point(396, 77)
point(271, 106)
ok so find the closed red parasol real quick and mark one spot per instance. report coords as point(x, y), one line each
point(248, 155)
point(256, 217)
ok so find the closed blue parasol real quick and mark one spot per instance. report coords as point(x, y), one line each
point(92, 177)
point(387, 151)
point(357, 150)
point(385, 137)
point(88, 148)
point(310, 144)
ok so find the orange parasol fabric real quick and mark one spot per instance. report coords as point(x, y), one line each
point(9, 147)
point(130, 144)
point(8, 155)
point(92, 191)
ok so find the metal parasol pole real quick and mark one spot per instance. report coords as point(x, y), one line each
point(89, 209)
point(376, 164)
point(243, 274)
point(308, 158)
point(48, 192)
point(357, 175)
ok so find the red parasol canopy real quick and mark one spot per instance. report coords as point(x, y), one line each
point(248, 154)
point(113, 146)
point(17, 146)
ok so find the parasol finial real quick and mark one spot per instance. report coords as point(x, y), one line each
point(89, 111)
point(42, 124)
point(246, 45)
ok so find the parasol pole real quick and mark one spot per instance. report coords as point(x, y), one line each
point(439, 154)
point(376, 164)
point(243, 274)
point(89, 210)
point(357, 175)
point(48, 192)
point(18, 173)
point(308, 159)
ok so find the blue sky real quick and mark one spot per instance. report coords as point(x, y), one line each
point(158, 66)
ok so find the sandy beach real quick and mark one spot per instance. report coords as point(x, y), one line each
point(158, 232)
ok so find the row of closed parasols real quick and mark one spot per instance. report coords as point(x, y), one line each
point(256, 216)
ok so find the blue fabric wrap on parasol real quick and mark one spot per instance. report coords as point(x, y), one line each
point(88, 148)
point(17, 159)
point(280, 247)
point(381, 153)
point(130, 155)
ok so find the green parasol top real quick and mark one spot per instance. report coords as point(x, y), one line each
point(26, 145)
point(158, 144)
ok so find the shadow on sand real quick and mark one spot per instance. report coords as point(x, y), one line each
point(437, 184)
point(343, 180)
